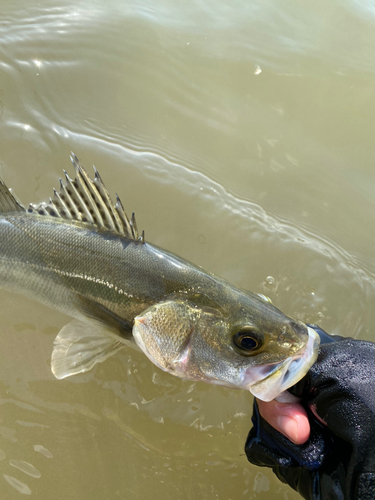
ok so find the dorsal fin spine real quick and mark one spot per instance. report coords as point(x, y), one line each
point(112, 219)
point(67, 199)
point(91, 191)
point(16, 199)
point(134, 226)
point(87, 199)
point(63, 209)
point(54, 208)
point(83, 210)
point(83, 199)
point(124, 218)
point(105, 196)
point(9, 201)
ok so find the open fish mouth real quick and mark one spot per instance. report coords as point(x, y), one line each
point(266, 382)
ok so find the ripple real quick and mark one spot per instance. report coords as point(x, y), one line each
point(25, 467)
point(41, 449)
point(18, 485)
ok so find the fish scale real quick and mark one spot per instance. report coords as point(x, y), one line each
point(82, 255)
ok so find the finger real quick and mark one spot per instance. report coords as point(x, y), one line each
point(289, 419)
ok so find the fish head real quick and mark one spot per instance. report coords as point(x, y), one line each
point(263, 350)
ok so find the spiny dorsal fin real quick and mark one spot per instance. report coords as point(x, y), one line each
point(87, 200)
point(8, 200)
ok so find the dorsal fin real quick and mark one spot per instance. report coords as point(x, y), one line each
point(87, 200)
point(8, 200)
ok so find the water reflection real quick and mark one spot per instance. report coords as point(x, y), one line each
point(41, 449)
point(17, 485)
point(248, 173)
point(25, 467)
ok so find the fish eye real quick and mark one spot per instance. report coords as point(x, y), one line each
point(247, 341)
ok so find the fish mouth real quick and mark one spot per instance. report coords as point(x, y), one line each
point(268, 381)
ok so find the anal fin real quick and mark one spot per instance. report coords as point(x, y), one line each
point(80, 345)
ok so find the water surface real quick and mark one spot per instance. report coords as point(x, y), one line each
point(241, 134)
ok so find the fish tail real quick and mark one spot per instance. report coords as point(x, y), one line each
point(8, 200)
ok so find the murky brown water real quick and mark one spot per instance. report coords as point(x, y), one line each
point(242, 135)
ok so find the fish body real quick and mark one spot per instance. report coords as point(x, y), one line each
point(82, 255)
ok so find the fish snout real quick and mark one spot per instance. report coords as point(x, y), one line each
point(268, 381)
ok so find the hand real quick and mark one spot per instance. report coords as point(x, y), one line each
point(338, 395)
point(288, 418)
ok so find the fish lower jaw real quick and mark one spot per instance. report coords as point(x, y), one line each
point(268, 381)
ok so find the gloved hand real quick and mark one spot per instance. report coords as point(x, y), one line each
point(338, 460)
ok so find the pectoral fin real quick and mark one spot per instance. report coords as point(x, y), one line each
point(80, 345)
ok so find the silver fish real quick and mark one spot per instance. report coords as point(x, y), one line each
point(80, 254)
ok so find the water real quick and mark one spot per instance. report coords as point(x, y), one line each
point(241, 133)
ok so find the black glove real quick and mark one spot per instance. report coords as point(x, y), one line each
point(338, 460)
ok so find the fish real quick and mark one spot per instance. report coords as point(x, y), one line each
point(79, 253)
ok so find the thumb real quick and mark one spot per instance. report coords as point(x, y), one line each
point(290, 419)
